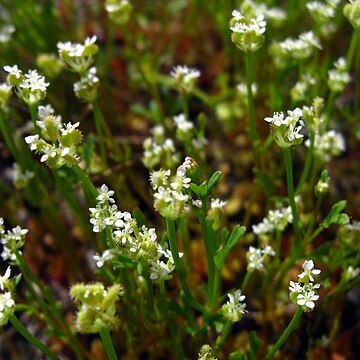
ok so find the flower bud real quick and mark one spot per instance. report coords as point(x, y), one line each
point(352, 13)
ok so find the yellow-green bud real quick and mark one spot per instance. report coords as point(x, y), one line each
point(352, 13)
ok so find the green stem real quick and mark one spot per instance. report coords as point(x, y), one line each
point(289, 329)
point(225, 332)
point(352, 48)
point(249, 80)
point(30, 338)
point(99, 124)
point(209, 255)
point(170, 224)
point(34, 117)
point(308, 162)
point(88, 187)
point(108, 344)
point(291, 195)
point(329, 107)
point(246, 281)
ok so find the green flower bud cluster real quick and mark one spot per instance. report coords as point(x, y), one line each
point(304, 292)
point(247, 34)
point(352, 13)
point(205, 353)
point(286, 130)
point(49, 64)
point(313, 115)
point(119, 11)
point(31, 87)
point(234, 308)
point(323, 185)
point(97, 307)
point(12, 241)
point(159, 150)
point(59, 145)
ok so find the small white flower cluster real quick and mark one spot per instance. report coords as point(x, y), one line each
point(171, 199)
point(286, 130)
point(323, 13)
point(302, 87)
point(12, 241)
point(276, 220)
point(351, 273)
point(134, 242)
point(247, 34)
point(328, 144)
point(338, 77)
point(87, 88)
point(184, 128)
point(234, 308)
point(298, 49)
point(274, 15)
point(304, 292)
point(159, 150)
point(6, 32)
point(31, 87)
point(118, 10)
point(21, 178)
point(7, 303)
point(184, 78)
point(63, 139)
point(78, 57)
point(257, 257)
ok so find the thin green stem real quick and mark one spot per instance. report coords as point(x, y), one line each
point(170, 224)
point(99, 124)
point(352, 47)
point(289, 329)
point(249, 80)
point(88, 187)
point(225, 332)
point(108, 344)
point(291, 195)
point(30, 338)
point(246, 281)
point(34, 117)
point(308, 162)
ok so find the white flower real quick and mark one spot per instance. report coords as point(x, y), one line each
point(33, 81)
point(309, 271)
point(306, 300)
point(234, 309)
point(184, 77)
point(217, 204)
point(105, 195)
point(4, 279)
point(14, 71)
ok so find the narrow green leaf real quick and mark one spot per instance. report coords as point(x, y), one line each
point(254, 345)
point(215, 177)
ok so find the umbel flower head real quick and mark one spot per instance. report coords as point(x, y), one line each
point(286, 129)
point(97, 307)
point(184, 78)
point(86, 88)
point(234, 308)
point(304, 292)
point(206, 353)
point(338, 77)
point(60, 142)
point(170, 192)
point(12, 241)
point(247, 34)
point(31, 87)
point(78, 57)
